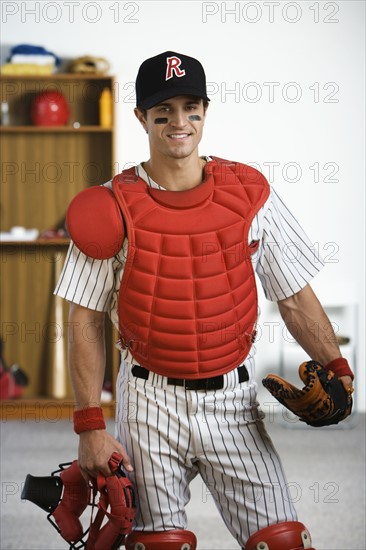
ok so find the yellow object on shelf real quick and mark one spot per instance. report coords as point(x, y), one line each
point(105, 108)
point(25, 69)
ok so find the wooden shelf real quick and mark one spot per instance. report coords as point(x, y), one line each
point(38, 242)
point(51, 129)
point(44, 168)
point(56, 76)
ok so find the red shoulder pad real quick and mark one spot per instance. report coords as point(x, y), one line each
point(95, 223)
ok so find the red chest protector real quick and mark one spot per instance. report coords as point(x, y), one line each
point(188, 299)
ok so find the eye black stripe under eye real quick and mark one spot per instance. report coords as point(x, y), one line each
point(160, 120)
point(194, 118)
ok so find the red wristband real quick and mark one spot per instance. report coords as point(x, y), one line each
point(87, 419)
point(340, 367)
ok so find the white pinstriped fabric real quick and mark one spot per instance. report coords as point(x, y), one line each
point(173, 434)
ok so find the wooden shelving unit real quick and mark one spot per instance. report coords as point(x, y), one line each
point(52, 129)
point(42, 169)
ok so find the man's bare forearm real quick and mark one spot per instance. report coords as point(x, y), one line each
point(86, 355)
point(308, 323)
point(87, 367)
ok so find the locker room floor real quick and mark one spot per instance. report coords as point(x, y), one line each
point(325, 470)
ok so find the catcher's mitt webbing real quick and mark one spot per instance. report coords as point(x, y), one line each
point(321, 402)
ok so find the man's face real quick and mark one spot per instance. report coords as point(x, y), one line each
point(174, 126)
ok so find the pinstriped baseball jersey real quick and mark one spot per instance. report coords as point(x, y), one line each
point(172, 434)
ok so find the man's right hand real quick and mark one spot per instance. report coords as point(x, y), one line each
point(95, 449)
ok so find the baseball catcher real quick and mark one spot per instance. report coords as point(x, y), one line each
point(169, 250)
point(66, 496)
point(323, 400)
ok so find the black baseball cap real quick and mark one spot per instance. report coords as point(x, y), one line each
point(167, 75)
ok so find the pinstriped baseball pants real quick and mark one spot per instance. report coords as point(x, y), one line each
point(172, 434)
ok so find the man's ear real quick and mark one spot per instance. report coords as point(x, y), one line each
point(141, 116)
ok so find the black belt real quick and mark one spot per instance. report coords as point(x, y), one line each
point(214, 383)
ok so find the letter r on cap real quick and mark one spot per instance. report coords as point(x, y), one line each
point(172, 65)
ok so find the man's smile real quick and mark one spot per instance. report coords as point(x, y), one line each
point(179, 136)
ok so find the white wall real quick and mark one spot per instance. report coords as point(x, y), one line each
point(287, 87)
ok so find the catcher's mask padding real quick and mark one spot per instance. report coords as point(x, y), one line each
point(66, 509)
point(116, 492)
point(289, 535)
point(176, 539)
point(45, 492)
point(95, 223)
point(74, 500)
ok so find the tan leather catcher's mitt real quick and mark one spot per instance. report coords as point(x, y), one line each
point(321, 402)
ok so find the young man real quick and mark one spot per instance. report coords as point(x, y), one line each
point(180, 287)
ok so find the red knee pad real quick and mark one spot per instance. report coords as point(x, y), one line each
point(289, 535)
point(163, 540)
